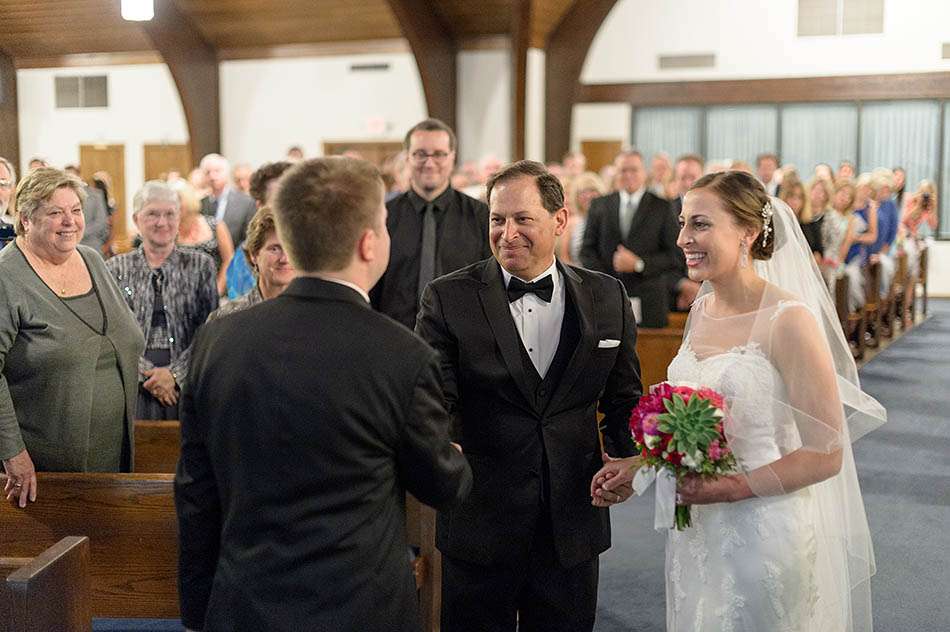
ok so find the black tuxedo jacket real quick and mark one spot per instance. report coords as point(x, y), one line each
point(511, 443)
point(304, 421)
point(652, 237)
point(237, 213)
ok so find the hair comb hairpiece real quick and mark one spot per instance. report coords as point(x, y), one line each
point(767, 212)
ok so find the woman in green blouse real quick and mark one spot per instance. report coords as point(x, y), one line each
point(69, 345)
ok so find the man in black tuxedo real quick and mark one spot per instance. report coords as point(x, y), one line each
point(305, 421)
point(226, 203)
point(528, 347)
point(435, 229)
point(631, 234)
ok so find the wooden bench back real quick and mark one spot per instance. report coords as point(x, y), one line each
point(48, 592)
point(131, 525)
point(656, 349)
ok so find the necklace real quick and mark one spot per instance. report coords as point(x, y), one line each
point(39, 262)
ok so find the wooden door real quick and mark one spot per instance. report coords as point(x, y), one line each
point(374, 151)
point(162, 159)
point(111, 159)
point(600, 153)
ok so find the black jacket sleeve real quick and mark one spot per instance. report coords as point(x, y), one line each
point(623, 389)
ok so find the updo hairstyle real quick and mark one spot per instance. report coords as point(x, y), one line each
point(742, 195)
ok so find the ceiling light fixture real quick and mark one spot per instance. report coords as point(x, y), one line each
point(138, 10)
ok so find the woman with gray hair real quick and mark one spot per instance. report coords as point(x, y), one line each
point(68, 345)
point(170, 290)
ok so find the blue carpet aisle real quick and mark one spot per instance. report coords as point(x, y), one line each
point(904, 469)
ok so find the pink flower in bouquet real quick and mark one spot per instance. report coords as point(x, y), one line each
point(714, 451)
point(684, 391)
point(714, 397)
point(649, 424)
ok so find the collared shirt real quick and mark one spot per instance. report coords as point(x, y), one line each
point(221, 204)
point(189, 292)
point(461, 239)
point(629, 203)
point(352, 286)
point(539, 322)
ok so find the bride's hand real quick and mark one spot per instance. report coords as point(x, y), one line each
point(701, 490)
point(612, 483)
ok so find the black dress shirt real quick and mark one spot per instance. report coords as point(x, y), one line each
point(461, 239)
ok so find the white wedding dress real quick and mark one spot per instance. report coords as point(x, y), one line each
point(750, 565)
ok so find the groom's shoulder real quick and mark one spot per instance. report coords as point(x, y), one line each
point(598, 282)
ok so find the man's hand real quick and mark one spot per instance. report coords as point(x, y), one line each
point(613, 483)
point(625, 260)
point(161, 384)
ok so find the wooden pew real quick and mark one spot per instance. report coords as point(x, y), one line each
point(48, 592)
point(656, 348)
point(854, 324)
point(131, 525)
point(158, 444)
point(872, 302)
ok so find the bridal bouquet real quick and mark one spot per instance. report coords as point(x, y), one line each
point(678, 429)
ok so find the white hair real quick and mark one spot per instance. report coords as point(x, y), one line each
point(154, 191)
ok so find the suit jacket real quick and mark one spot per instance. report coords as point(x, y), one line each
point(238, 211)
point(305, 420)
point(96, 212)
point(652, 237)
point(513, 445)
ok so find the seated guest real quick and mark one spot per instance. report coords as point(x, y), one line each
point(304, 423)
point(793, 194)
point(239, 277)
point(835, 228)
point(918, 225)
point(269, 260)
point(204, 232)
point(887, 221)
point(631, 235)
point(170, 290)
point(580, 192)
point(7, 185)
point(862, 233)
point(68, 345)
point(845, 170)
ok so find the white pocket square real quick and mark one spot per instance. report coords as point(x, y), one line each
point(608, 343)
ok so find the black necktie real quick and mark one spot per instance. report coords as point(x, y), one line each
point(542, 288)
point(427, 251)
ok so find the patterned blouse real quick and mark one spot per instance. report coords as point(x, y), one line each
point(187, 278)
point(241, 303)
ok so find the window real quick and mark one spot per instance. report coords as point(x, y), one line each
point(82, 92)
point(840, 17)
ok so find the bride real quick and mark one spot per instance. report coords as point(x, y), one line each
point(783, 543)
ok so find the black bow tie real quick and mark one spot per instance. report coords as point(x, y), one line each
point(542, 288)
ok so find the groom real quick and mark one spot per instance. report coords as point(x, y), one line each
point(528, 348)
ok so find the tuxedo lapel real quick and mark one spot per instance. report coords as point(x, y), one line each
point(494, 302)
point(584, 306)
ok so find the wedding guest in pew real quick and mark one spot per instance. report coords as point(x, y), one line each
point(888, 218)
point(918, 225)
point(69, 347)
point(835, 228)
point(240, 278)
point(170, 290)
point(299, 443)
point(269, 260)
point(579, 193)
point(793, 194)
point(861, 236)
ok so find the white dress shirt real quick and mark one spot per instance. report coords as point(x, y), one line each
point(222, 204)
point(629, 203)
point(538, 322)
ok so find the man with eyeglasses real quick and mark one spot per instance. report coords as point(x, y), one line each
point(7, 185)
point(435, 229)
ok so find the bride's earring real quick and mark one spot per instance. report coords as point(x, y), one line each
point(743, 255)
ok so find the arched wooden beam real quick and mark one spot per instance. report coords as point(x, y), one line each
point(567, 49)
point(435, 51)
point(521, 23)
point(194, 67)
point(9, 117)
